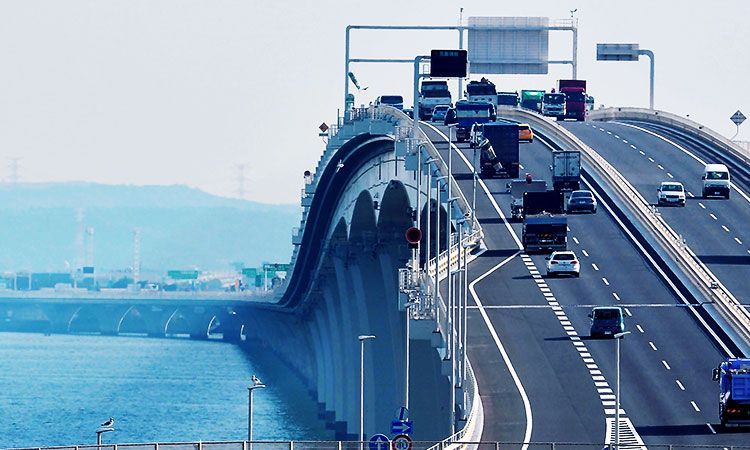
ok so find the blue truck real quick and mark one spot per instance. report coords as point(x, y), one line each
point(733, 376)
point(466, 114)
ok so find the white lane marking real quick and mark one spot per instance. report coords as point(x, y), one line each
point(633, 147)
point(712, 429)
point(627, 311)
point(640, 328)
point(585, 253)
point(666, 366)
point(738, 241)
point(724, 227)
point(660, 166)
point(682, 388)
point(601, 129)
point(609, 132)
point(683, 150)
point(672, 176)
point(604, 280)
point(520, 166)
point(575, 239)
point(695, 406)
point(501, 348)
point(701, 205)
point(617, 297)
point(641, 152)
point(651, 159)
point(594, 266)
point(618, 137)
point(713, 216)
point(690, 194)
point(625, 141)
point(653, 347)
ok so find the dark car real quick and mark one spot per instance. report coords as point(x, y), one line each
point(438, 114)
point(606, 321)
point(581, 201)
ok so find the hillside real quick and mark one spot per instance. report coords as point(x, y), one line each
point(181, 227)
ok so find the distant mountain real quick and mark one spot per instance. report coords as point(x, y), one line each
point(181, 227)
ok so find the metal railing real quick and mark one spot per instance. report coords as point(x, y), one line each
point(355, 445)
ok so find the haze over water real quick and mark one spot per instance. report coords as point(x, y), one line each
point(56, 390)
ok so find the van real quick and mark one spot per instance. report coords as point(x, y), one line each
point(716, 181)
point(606, 321)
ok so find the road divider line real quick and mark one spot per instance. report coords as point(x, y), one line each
point(666, 366)
point(682, 388)
point(695, 406)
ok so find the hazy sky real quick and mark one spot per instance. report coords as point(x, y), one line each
point(180, 91)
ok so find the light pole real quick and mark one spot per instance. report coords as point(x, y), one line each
point(362, 338)
point(428, 225)
point(257, 384)
point(408, 306)
point(437, 241)
point(618, 337)
point(106, 427)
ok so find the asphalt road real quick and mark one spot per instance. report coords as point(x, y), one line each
point(541, 327)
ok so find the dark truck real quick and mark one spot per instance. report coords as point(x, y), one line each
point(545, 228)
point(733, 376)
point(575, 98)
point(497, 143)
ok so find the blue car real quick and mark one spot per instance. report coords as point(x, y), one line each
point(438, 113)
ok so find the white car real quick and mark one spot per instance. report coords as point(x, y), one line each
point(564, 262)
point(671, 193)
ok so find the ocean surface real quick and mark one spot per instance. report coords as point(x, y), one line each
point(56, 390)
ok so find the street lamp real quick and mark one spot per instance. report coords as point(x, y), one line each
point(257, 384)
point(408, 306)
point(618, 337)
point(362, 339)
point(106, 427)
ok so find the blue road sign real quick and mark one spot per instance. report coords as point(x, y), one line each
point(401, 427)
point(379, 442)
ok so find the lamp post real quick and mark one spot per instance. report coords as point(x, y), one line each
point(106, 427)
point(428, 225)
point(408, 306)
point(362, 339)
point(618, 337)
point(257, 384)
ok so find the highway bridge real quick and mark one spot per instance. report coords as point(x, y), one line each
point(677, 272)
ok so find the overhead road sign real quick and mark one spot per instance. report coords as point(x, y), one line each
point(738, 118)
point(448, 63)
point(509, 45)
point(250, 272)
point(379, 442)
point(617, 52)
point(276, 267)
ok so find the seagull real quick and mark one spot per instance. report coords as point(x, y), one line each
point(108, 423)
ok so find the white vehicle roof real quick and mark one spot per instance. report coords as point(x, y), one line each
point(563, 252)
point(671, 183)
point(716, 168)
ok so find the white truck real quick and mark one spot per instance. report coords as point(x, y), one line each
point(566, 170)
point(517, 189)
point(431, 94)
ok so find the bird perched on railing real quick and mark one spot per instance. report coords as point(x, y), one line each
point(108, 423)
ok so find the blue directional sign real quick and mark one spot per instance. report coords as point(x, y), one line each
point(401, 427)
point(379, 442)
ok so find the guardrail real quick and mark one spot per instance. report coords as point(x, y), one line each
point(683, 124)
point(355, 445)
point(627, 196)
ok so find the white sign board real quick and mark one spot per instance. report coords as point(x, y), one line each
point(508, 45)
point(617, 52)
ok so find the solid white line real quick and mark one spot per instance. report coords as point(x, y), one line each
point(683, 150)
point(501, 348)
point(653, 347)
point(682, 388)
point(695, 406)
point(640, 328)
point(666, 366)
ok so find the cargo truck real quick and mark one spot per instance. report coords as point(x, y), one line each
point(481, 91)
point(431, 94)
point(498, 146)
point(545, 228)
point(575, 98)
point(553, 105)
point(507, 99)
point(733, 376)
point(532, 100)
point(566, 170)
point(518, 188)
point(465, 114)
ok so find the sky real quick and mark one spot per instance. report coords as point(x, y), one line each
point(184, 91)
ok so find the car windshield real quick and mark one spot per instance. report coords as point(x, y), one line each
point(554, 99)
point(717, 175)
point(523, 127)
point(564, 257)
point(391, 99)
point(581, 194)
point(441, 109)
point(576, 97)
point(606, 314)
point(671, 187)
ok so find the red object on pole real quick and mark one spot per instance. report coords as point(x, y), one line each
point(413, 236)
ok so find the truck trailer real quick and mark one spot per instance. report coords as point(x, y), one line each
point(519, 188)
point(566, 170)
point(545, 228)
point(733, 376)
point(497, 143)
point(575, 98)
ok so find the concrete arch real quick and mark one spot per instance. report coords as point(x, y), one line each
point(395, 213)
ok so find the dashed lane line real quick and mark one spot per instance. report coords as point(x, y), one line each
point(695, 406)
point(653, 347)
point(724, 227)
point(640, 328)
point(666, 366)
point(679, 385)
